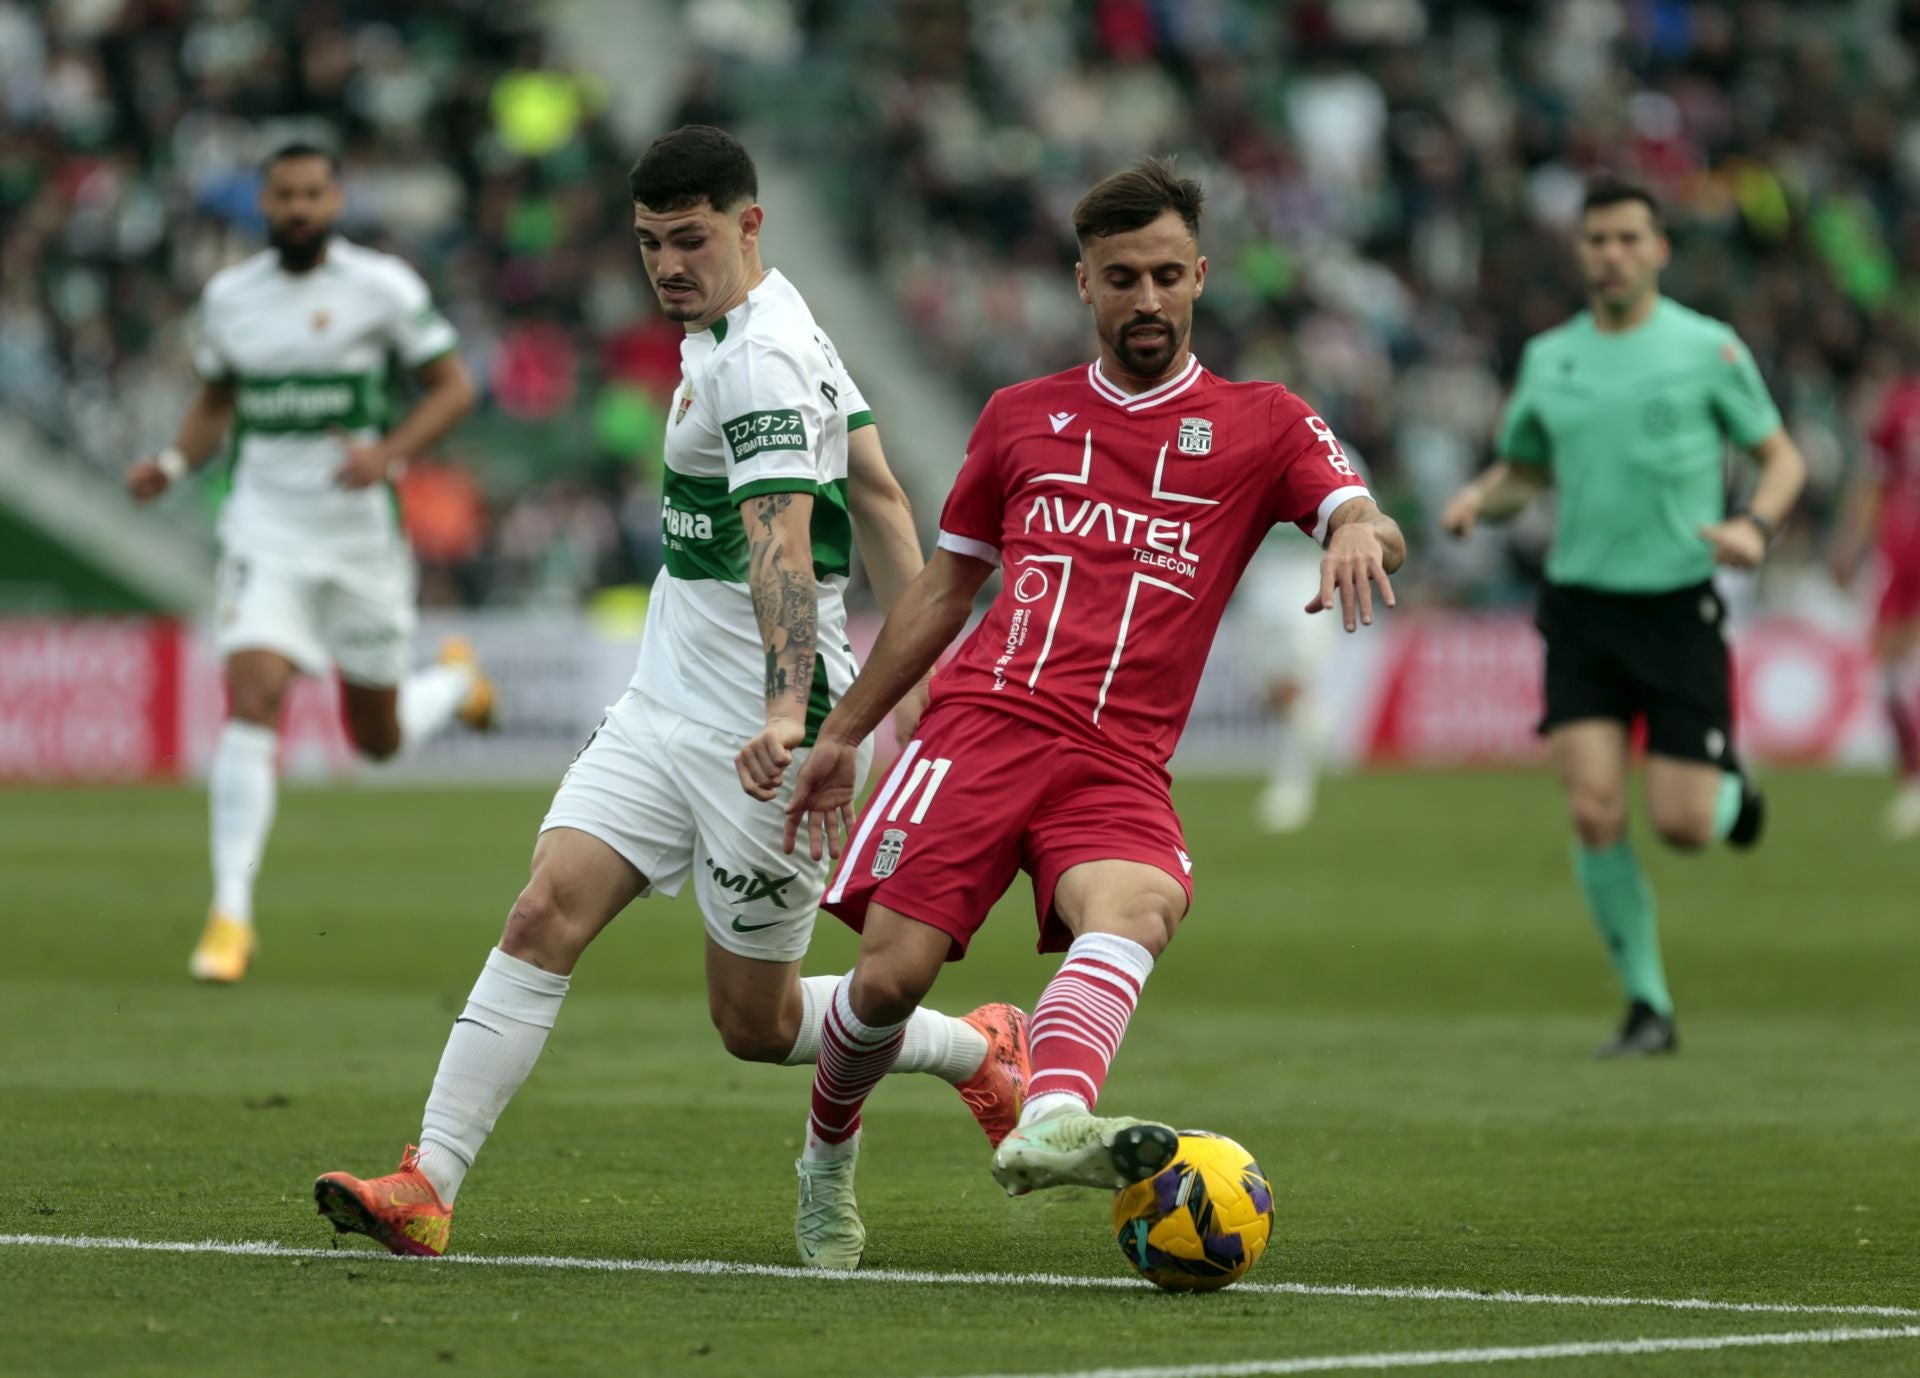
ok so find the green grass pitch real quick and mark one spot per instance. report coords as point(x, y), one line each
point(1394, 1012)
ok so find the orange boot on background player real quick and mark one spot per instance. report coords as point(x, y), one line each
point(400, 1210)
point(225, 948)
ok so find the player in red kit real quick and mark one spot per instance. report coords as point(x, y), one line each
point(1884, 506)
point(1121, 500)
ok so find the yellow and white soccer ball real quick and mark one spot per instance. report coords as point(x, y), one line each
point(1200, 1222)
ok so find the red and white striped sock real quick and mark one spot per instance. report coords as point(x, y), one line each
point(1080, 1020)
point(853, 1058)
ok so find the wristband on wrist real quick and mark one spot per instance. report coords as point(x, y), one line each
point(172, 463)
point(1767, 528)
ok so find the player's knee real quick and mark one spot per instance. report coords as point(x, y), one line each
point(1150, 921)
point(1599, 817)
point(540, 929)
point(750, 1036)
point(885, 994)
point(1688, 831)
point(255, 703)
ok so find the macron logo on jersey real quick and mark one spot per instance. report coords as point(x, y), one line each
point(1061, 420)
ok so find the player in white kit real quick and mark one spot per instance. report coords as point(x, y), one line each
point(772, 464)
point(1288, 650)
point(295, 353)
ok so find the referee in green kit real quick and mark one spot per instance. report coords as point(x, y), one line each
point(1627, 410)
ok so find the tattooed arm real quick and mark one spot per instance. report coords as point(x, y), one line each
point(786, 605)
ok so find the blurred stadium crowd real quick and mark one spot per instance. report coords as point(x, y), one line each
point(1392, 186)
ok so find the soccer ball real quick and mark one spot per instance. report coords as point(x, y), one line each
point(1199, 1223)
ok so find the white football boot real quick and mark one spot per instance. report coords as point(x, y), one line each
point(826, 1226)
point(1076, 1149)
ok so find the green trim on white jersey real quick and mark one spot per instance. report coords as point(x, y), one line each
point(763, 406)
point(313, 357)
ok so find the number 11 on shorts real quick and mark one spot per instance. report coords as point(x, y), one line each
point(927, 772)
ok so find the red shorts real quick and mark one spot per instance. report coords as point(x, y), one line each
point(1899, 583)
point(979, 795)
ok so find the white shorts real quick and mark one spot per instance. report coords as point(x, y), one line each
point(661, 790)
point(359, 617)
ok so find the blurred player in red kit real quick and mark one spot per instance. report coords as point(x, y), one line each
point(1121, 501)
point(1883, 507)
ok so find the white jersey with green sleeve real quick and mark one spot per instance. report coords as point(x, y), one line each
point(312, 357)
point(764, 405)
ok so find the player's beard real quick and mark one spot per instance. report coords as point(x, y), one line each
point(1152, 362)
point(686, 309)
point(299, 251)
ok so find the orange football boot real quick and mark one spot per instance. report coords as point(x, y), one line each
point(996, 1092)
point(480, 712)
point(225, 948)
point(401, 1210)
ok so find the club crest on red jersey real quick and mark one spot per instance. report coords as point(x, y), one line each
point(1196, 436)
point(892, 843)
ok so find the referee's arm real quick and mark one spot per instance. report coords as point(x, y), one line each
point(1497, 495)
point(1741, 540)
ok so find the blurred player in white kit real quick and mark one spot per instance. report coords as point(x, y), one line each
point(1286, 651)
point(296, 348)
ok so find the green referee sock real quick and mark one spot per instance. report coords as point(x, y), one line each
point(1621, 902)
point(1726, 805)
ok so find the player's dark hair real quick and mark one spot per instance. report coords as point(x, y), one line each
point(300, 149)
point(695, 163)
point(1611, 191)
point(1136, 198)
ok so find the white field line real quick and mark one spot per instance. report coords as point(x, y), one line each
point(714, 1267)
point(1425, 1358)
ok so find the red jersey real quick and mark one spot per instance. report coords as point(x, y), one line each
point(1122, 524)
point(1894, 442)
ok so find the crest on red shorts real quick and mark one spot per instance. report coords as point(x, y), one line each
point(892, 842)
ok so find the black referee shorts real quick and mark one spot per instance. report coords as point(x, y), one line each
point(1658, 655)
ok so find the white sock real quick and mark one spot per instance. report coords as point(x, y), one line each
point(1052, 1103)
point(816, 993)
point(949, 1048)
point(241, 790)
point(494, 1044)
point(428, 700)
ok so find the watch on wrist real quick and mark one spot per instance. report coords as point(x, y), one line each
point(1767, 529)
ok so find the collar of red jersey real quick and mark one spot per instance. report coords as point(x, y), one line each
point(1152, 397)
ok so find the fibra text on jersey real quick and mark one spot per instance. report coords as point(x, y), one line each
point(697, 526)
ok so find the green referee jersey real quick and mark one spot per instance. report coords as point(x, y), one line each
point(1635, 426)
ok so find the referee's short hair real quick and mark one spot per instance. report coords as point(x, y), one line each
point(1613, 191)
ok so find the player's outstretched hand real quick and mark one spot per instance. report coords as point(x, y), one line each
point(762, 763)
point(146, 480)
point(1736, 543)
point(1355, 561)
point(364, 465)
point(823, 797)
